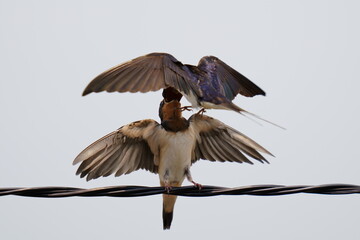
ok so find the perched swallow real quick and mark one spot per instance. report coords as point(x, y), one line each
point(210, 84)
point(167, 149)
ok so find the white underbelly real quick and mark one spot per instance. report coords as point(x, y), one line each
point(209, 105)
point(193, 100)
point(175, 156)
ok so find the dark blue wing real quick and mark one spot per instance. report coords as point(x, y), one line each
point(231, 80)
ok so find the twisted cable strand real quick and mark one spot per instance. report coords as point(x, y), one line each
point(189, 191)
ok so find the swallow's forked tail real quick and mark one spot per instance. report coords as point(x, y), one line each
point(235, 108)
point(168, 209)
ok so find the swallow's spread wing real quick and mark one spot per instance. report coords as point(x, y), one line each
point(219, 142)
point(143, 74)
point(120, 152)
point(232, 81)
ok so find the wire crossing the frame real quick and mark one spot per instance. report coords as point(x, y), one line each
point(188, 191)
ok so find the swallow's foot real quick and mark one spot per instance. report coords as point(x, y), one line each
point(202, 111)
point(168, 188)
point(197, 185)
point(186, 108)
point(188, 176)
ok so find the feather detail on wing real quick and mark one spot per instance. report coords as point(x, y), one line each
point(143, 74)
point(232, 81)
point(219, 142)
point(120, 152)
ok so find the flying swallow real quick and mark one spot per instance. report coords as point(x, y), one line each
point(167, 149)
point(210, 84)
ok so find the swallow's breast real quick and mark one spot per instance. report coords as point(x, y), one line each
point(175, 155)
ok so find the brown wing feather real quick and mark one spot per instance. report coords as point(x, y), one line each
point(120, 152)
point(219, 142)
point(143, 74)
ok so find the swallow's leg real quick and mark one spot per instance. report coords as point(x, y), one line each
point(189, 178)
point(201, 111)
point(187, 108)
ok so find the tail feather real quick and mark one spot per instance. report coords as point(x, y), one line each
point(235, 108)
point(167, 219)
point(168, 210)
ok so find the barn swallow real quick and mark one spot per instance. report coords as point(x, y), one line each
point(168, 149)
point(210, 84)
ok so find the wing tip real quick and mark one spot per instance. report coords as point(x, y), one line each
point(264, 161)
point(86, 92)
point(253, 93)
point(76, 160)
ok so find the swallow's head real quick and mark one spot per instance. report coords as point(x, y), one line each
point(208, 63)
point(170, 114)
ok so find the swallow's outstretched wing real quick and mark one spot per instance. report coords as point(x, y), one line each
point(232, 82)
point(120, 152)
point(219, 142)
point(151, 72)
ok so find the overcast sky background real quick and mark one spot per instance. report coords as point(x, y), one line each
point(304, 54)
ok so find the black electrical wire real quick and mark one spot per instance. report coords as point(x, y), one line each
point(189, 191)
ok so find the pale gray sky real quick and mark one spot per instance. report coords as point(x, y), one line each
point(304, 54)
